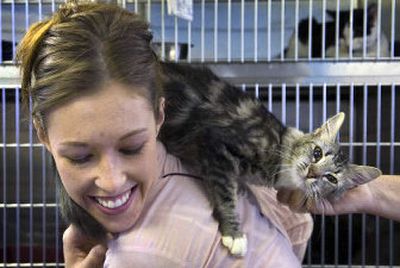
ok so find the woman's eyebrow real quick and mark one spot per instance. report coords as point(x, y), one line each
point(74, 144)
point(133, 133)
point(84, 144)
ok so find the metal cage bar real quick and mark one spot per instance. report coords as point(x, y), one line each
point(323, 36)
point(365, 30)
point(364, 162)
point(337, 30)
point(203, 15)
point(282, 51)
point(255, 30)
point(17, 175)
point(30, 153)
point(378, 164)
point(215, 30)
point(296, 31)
point(392, 28)
point(351, 28)
point(378, 47)
point(4, 173)
point(269, 41)
point(310, 30)
point(392, 161)
point(242, 13)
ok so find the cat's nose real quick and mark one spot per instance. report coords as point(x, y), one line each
point(312, 173)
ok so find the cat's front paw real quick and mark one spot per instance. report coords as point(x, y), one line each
point(237, 246)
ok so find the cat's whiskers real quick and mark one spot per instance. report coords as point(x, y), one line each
point(286, 150)
point(286, 165)
point(289, 157)
point(282, 170)
point(319, 201)
point(311, 195)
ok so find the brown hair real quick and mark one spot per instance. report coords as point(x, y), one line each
point(81, 47)
point(77, 50)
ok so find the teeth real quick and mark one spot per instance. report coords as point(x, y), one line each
point(114, 203)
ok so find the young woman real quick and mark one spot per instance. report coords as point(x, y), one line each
point(95, 88)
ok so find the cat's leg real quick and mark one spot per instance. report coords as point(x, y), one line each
point(221, 171)
point(223, 191)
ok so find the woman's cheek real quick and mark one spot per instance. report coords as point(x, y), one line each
point(73, 180)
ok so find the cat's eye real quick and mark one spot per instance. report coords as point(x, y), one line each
point(331, 178)
point(317, 154)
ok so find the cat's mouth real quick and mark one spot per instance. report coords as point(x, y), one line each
point(311, 179)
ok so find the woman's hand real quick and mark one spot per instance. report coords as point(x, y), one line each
point(356, 200)
point(81, 251)
point(378, 197)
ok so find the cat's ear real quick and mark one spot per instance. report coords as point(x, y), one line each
point(362, 174)
point(330, 129)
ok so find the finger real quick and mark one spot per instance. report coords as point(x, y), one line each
point(298, 201)
point(72, 235)
point(95, 258)
point(283, 196)
point(72, 250)
point(323, 207)
point(296, 198)
point(82, 251)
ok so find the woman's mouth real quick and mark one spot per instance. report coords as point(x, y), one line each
point(115, 204)
point(109, 203)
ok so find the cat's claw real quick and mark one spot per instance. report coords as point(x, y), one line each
point(237, 246)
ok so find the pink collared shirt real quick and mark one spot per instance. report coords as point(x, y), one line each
point(177, 229)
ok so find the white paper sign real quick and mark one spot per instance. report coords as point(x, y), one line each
point(181, 8)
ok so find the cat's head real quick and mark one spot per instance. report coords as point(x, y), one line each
point(358, 26)
point(315, 164)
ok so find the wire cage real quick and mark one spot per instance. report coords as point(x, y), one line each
point(305, 59)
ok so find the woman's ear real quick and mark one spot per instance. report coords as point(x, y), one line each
point(41, 133)
point(161, 114)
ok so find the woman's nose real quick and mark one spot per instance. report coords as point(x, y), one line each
point(110, 176)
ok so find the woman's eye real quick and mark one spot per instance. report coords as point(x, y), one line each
point(131, 151)
point(317, 154)
point(331, 178)
point(79, 160)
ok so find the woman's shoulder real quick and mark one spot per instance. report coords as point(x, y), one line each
point(180, 186)
point(177, 230)
point(184, 194)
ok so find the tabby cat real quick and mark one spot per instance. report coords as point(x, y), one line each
point(344, 36)
point(229, 139)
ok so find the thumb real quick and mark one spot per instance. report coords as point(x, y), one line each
point(96, 257)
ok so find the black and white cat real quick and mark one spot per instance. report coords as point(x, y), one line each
point(344, 36)
point(230, 140)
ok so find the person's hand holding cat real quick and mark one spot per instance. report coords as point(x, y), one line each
point(378, 197)
point(352, 201)
point(80, 251)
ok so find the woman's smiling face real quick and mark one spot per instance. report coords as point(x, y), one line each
point(104, 147)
